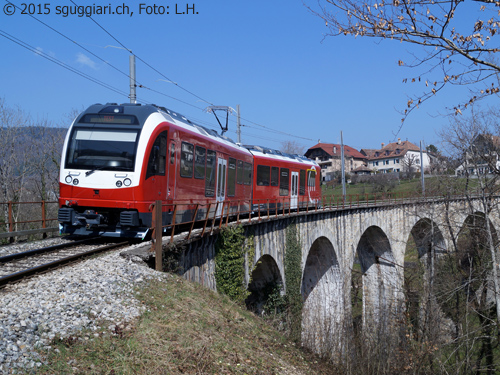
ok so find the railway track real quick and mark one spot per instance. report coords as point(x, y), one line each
point(18, 266)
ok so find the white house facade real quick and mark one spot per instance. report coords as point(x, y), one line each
point(401, 156)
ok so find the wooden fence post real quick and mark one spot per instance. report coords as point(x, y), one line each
point(158, 236)
point(11, 223)
point(44, 225)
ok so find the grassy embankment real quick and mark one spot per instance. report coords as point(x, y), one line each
point(186, 329)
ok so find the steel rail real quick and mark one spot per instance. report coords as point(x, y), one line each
point(17, 276)
point(43, 250)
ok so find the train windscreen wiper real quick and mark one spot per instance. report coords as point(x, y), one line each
point(95, 169)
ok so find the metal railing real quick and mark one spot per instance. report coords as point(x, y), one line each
point(217, 215)
point(17, 220)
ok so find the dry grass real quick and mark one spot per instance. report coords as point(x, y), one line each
point(186, 330)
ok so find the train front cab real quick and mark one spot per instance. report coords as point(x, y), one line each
point(108, 152)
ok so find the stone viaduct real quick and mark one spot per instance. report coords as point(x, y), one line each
point(337, 242)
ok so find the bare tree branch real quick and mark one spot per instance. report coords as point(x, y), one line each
point(465, 55)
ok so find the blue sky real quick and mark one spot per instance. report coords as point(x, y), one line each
point(267, 56)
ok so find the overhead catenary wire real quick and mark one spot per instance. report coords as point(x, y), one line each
point(86, 76)
point(74, 70)
point(101, 59)
point(271, 130)
point(60, 63)
point(73, 41)
point(114, 67)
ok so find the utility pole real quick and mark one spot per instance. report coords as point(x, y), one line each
point(238, 124)
point(133, 96)
point(343, 165)
point(422, 170)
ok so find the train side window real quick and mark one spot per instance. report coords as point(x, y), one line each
point(210, 175)
point(302, 182)
point(284, 181)
point(275, 176)
point(199, 162)
point(247, 175)
point(312, 179)
point(172, 153)
point(263, 173)
point(158, 157)
point(231, 178)
point(187, 159)
point(240, 173)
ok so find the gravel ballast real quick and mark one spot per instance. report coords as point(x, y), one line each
point(98, 291)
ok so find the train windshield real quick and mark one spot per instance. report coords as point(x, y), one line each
point(102, 149)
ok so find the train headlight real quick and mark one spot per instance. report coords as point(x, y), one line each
point(68, 179)
point(127, 182)
point(118, 183)
point(75, 181)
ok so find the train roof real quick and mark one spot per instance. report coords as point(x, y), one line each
point(142, 112)
point(269, 152)
point(137, 114)
point(202, 129)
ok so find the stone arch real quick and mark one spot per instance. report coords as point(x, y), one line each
point(380, 305)
point(322, 291)
point(478, 220)
point(473, 242)
point(424, 245)
point(464, 286)
point(474, 253)
point(427, 237)
point(265, 281)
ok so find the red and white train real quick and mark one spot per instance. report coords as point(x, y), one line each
point(119, 159)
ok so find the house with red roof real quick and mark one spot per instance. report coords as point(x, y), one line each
point(328, 156)
point(400, 156)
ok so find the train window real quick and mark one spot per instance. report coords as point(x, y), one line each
point(157, 157)
point(187, 159)
point(263, 173)
point(172, 153)
point(231, 178)
point(284, 181)
point(240, 173)
point(312, 178)
point(102, 149)
point(302, 182)
point(247, 175)
point(199, 162)
point(275, 176)
point(210, 175)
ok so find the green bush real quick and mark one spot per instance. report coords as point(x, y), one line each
point(293, 277)
point(230, 251)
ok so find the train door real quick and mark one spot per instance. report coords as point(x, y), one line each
point(171, 175)
point(156, 168)
point(294, 190)
point(221, 183)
